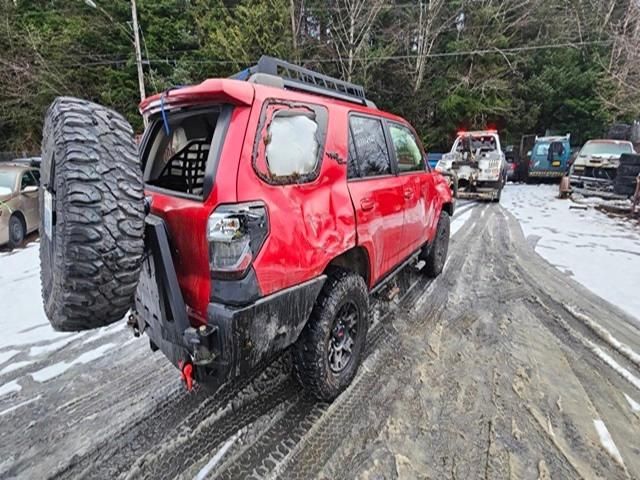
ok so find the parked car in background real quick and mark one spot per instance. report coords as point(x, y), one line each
point(19, 214)
point(549, 157)
point(597, 163)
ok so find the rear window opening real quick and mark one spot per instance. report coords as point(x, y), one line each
point(177, 151)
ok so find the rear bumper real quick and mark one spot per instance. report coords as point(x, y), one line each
point(250, 335)
point(235, 339)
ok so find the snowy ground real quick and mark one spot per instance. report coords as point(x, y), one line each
point(599, 251)
point(503, 367)
point(28, 341)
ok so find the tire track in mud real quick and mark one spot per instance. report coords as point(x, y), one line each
point(549, 306)
point(475, 401)
point(176, 413)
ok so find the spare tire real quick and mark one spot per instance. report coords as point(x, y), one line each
point(92, 215)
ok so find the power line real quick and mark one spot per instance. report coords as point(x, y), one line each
point(230, 8)
point(484, 51)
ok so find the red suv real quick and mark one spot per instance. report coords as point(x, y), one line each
point(260, 213)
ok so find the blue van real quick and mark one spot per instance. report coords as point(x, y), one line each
point(549, 157)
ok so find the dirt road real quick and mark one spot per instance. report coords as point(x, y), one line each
point(501, 368)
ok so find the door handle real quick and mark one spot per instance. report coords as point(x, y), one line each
point(408, 193)
point(367, 204)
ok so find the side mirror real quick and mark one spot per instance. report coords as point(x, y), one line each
point(529, 153)
point(30, 189)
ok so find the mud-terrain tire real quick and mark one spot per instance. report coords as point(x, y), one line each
point(17, 230)
point(435, 255)
point(342, 293)
point(91, 264)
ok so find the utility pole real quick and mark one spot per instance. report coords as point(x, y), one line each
point(136, 41)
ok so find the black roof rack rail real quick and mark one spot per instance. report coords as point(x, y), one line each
point(303, 79)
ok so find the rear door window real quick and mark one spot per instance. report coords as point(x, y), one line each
point(178, 149)
point(368, 152)
point(290, 142)
point(408, 154)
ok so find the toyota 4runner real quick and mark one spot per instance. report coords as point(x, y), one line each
point(257, 213)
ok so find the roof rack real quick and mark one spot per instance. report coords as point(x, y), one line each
point(303, 79)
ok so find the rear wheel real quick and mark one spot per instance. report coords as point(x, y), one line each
point(17, 231)
point(330, 348)
point(92, 215)
point(435, 255)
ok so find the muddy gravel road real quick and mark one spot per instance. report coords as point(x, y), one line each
point(503, 367)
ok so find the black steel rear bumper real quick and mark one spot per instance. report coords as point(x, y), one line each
point(235, 339)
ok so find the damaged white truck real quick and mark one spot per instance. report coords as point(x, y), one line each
point(476, 166)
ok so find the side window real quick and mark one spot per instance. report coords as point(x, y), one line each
point(27, 181)
point(36, 175)
point(370, 156)
point(290, 142)
point(408, 153)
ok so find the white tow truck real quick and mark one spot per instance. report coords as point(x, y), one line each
point(476, 165)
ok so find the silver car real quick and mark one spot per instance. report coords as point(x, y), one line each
point(19, 213)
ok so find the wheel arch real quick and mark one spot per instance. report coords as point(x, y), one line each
point(354, 260)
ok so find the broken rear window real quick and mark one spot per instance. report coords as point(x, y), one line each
point(293, 146)
point(290, 142)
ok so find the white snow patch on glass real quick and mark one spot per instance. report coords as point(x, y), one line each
point(59, 368)
point(607, 441)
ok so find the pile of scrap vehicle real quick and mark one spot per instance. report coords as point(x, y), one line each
point(478, 168)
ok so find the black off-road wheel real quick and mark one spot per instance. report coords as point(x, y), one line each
point(92, 215)
point(17, 231)
point(435, 255)
point(329, 350)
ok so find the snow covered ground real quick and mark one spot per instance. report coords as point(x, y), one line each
point(600, 252)
point(27, 337)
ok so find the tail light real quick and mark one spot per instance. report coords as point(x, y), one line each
point(235, 234)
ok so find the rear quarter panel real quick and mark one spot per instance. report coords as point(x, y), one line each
point(309, 223)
